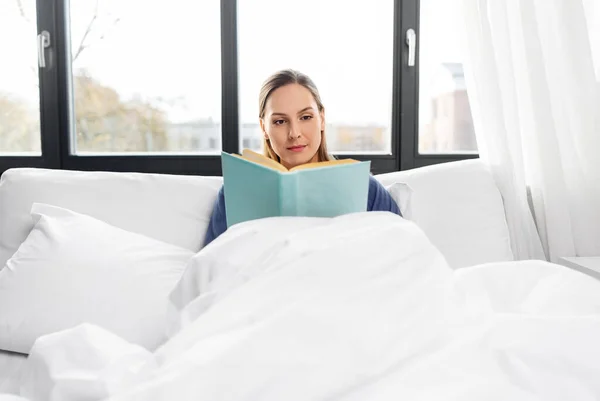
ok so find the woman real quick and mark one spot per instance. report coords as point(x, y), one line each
point(292, 120)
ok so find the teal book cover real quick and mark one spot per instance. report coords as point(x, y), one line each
point(256, 188)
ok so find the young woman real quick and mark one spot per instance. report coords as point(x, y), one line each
point(292, 120)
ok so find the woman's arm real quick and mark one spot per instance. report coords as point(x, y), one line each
point(218, 220)
point(380, 199)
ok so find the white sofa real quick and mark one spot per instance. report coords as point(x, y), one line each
point(457, 205)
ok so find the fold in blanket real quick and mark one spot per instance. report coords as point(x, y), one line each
point(361, 307)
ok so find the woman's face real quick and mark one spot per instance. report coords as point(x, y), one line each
point(293, 124)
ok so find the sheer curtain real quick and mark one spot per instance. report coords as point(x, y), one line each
point(532, 69)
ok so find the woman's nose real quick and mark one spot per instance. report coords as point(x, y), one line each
point(294, 131)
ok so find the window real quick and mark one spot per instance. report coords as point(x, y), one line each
point(138, 86)
point(145, 87)
point(19, 83)
point(435, 123)
point(29, 110)
point(348, 55)
point(445, 122)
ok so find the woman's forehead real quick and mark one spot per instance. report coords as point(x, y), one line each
point(290, 98)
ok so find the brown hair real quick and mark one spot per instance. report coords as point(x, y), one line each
point(276, 81)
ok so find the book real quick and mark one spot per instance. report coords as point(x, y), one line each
point(258, 187)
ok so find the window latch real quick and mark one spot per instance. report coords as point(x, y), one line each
point(43, 42)
point(411, 42)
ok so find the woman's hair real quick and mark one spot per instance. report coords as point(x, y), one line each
point(276, 81)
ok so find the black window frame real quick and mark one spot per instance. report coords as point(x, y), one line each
point(57, 123)
point(410, 157)
point(49, 108)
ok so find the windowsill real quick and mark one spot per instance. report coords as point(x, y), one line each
point(588, 265)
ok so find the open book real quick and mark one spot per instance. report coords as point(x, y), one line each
point(258, 187)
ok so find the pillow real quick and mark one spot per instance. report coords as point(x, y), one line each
point(170, 208)
point(401, 193)
point(458, 206)
point(74, 269)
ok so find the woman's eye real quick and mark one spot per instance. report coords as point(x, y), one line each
point(306, 118)
point(278, 122)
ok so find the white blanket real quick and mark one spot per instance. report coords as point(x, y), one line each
point(360, 307)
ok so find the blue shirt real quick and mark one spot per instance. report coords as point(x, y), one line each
point(379, 200)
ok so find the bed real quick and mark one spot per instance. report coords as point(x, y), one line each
point(428, 306)
point(11, 364)
point(307, 309)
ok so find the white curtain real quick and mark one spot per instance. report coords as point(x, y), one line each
point(532, 69)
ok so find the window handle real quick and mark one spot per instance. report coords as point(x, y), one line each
point(411, 42)
point(43, 42)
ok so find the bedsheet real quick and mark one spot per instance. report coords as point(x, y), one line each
point(10, 367)
point(361, 307)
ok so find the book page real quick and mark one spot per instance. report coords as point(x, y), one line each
point(262, 160)
point(324, 164)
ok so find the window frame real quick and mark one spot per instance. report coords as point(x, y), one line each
point(48, 118)
point(191, 164)
point(57, 123)
point(410, 157)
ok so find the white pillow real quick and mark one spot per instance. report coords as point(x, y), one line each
point(74, 269)
point(170, 208)
point(459, 207)
point(401, 193)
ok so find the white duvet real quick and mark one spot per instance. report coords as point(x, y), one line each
point(360, 307)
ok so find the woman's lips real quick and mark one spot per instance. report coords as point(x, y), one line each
point(298, 148)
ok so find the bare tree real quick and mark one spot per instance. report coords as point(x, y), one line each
point(22, 11)
point(83, 44)
point(86, 40)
